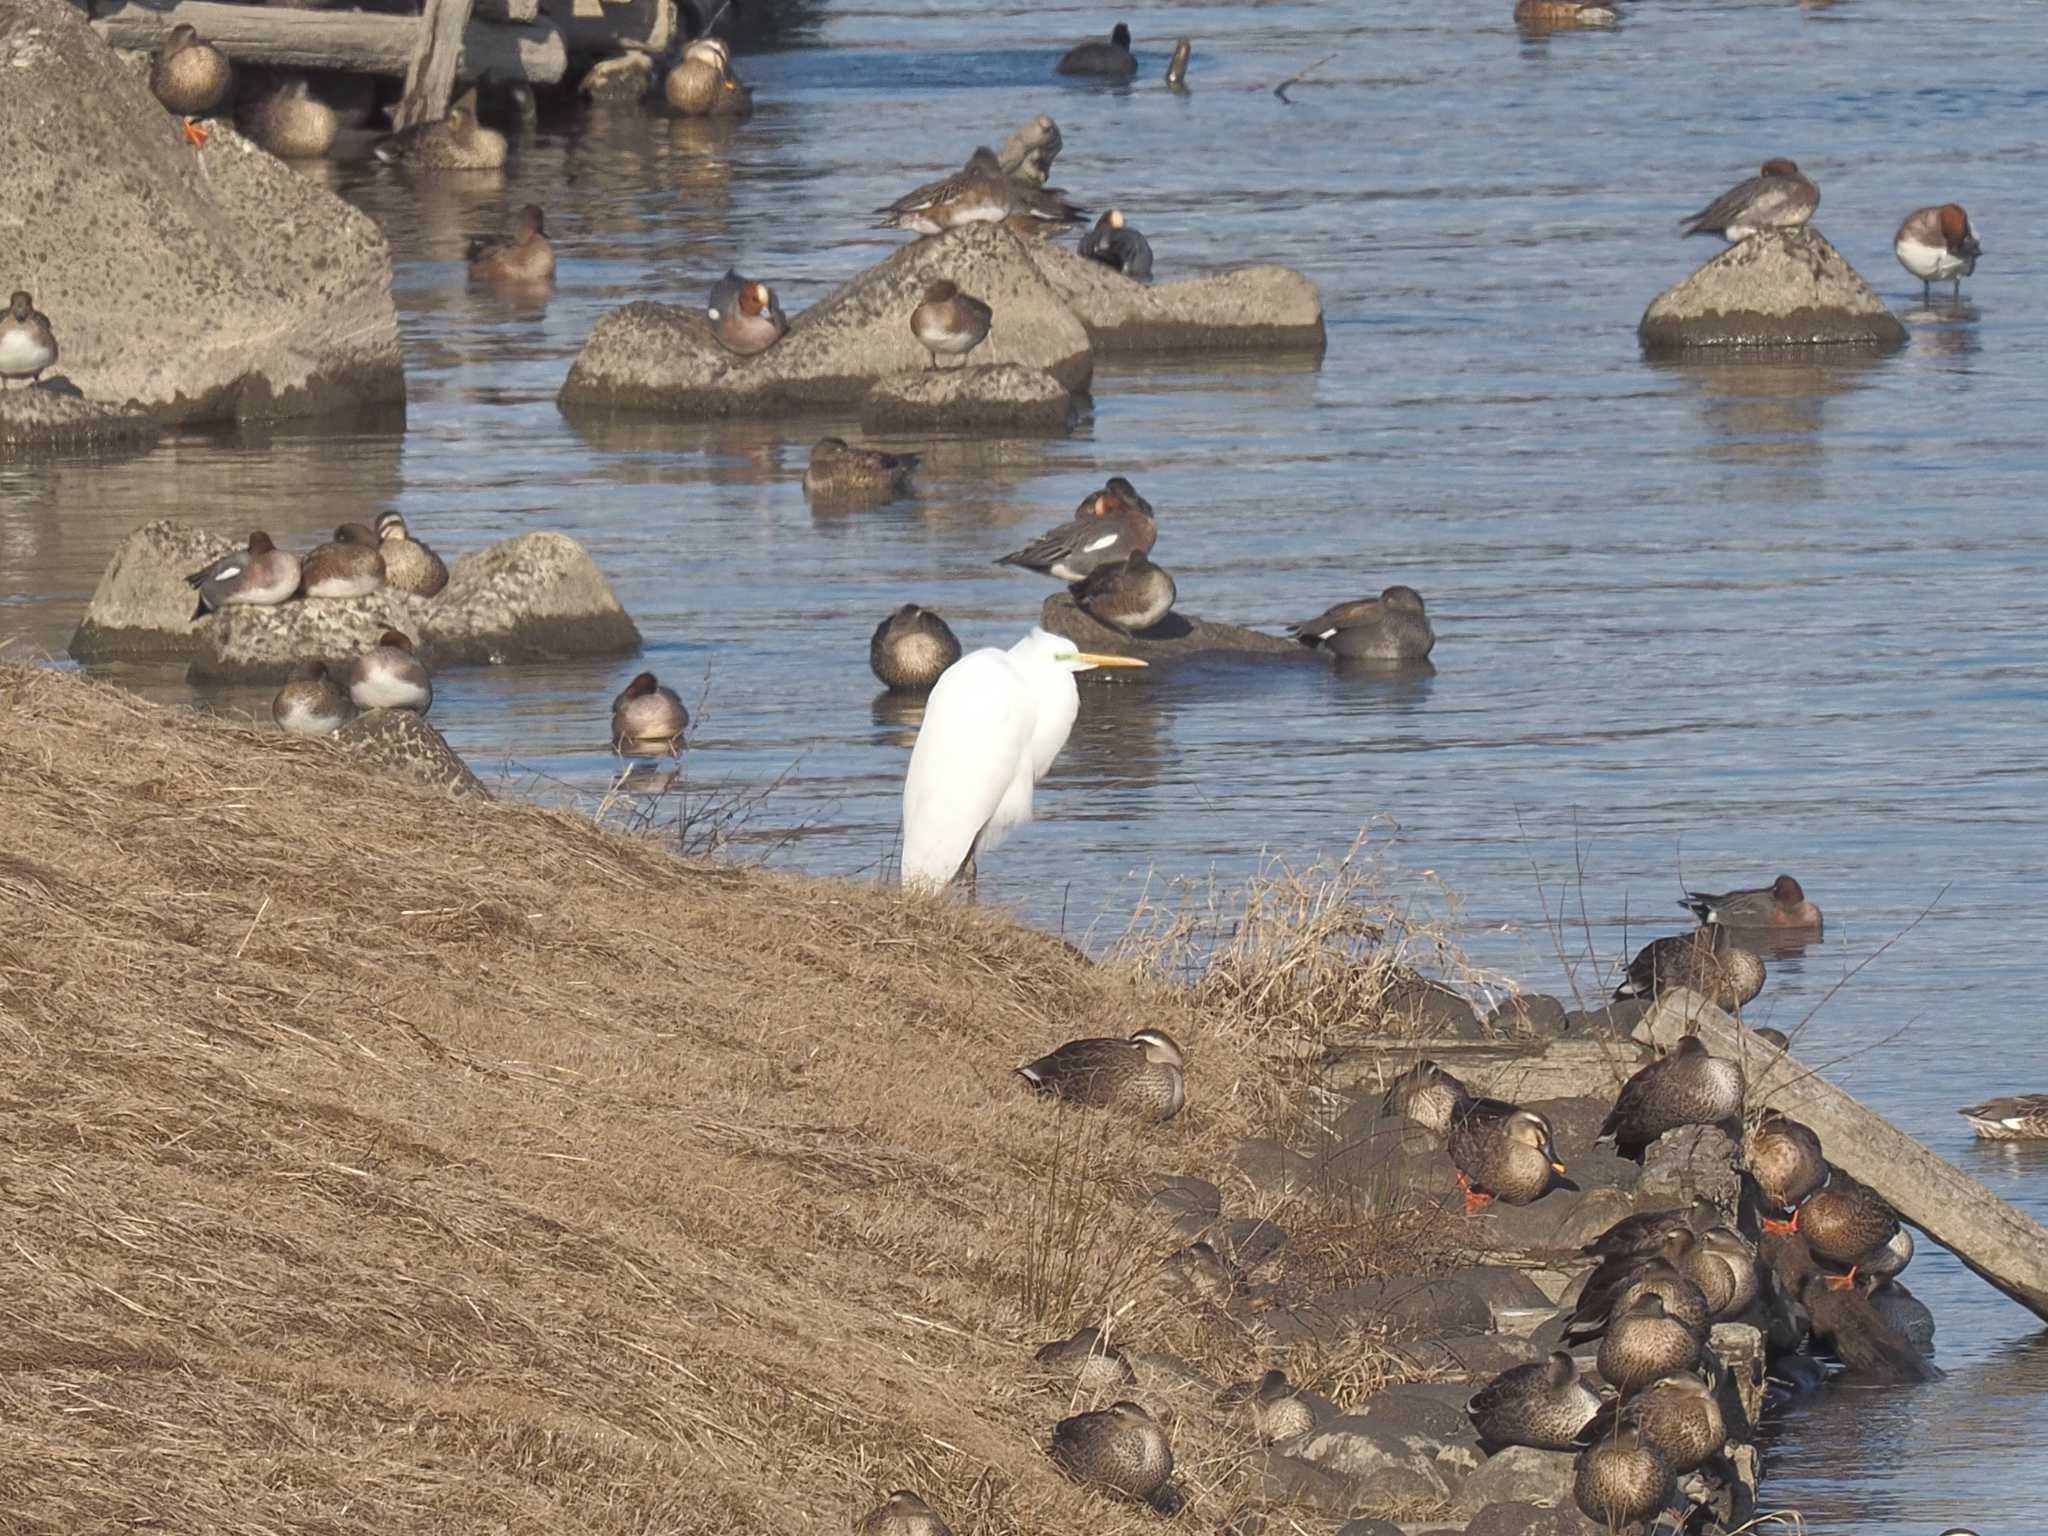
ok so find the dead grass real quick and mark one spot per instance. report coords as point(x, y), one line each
point(379, 1166)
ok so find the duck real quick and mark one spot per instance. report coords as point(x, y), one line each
point(1107, 530)
point(1551, 14)
point(1644, 1342)
point(838, 472)
point(1781, 904)
point(1842, 1317)
point(1118, 246)
point(1390, 627)
point(1622, 1481)
point(1546, 1404)
point(1847, 1223)
point(1122, 1448)
point(1690, 1086)
point(389, 676)
point(910, 648)
point(1095, 1364)
point(1111, 60)
point(2016, 1117)
point(1938, 245)
point(647, 719)
point(1706, 961)
point(1672, 1273)
point(27, 344)
point(949, 321)
point(261, 575)
point(1027, 155)
point(527, 257)
point(1784, 1160)
point(752, 323)
point(290, 121)
point(1502, 1152)
point(724, 293)
point(1679, 1414)
point(1145, 1074)
point(456, 142)
point(1642, 1234)
point(351, 566)
point(311, 702)
point(1197, 1272)
point(981, 192)
point(1902, 1311)
point(189, 76)
point(1279, 1411)
point(409, 565)
point(1130, 595)
point(1721, 1244)
point(1177, 66)
point(903, 1513)
point(1779, 196)
point(702, 83)
point(1427, 1094)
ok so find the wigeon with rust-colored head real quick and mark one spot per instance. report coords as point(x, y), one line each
point(753, 322)
point(1779, 196)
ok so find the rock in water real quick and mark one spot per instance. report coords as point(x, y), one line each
point(142, 608)
point(1006, 399)
point(1782, 288)
point(1264, 308)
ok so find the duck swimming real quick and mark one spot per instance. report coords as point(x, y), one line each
point(838, 472)
point(1131, 594)
point(1144, 1074)
point(1107, 60)
point(1556, 14)
point(950, 322)
point(456, 142)
point(1781, 904)
point(2017, 1117)
point(910, 648)
point(526, 257)
point(1390, 627)
point(647, 719)
point(703, 85)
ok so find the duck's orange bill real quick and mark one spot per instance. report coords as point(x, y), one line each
point(1094, 660)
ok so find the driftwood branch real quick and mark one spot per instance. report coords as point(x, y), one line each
point(1300, 75)
point(430, 74)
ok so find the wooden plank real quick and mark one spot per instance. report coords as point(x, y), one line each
point(518, 12)
point(430, 73)
point(2002, 1244)
point(349, 40)
point(597, 30)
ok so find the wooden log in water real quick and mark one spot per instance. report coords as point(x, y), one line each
point(430, 73)
point(2002, 1244)
point(346, 40)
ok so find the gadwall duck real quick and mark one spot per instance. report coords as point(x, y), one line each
point(1390, 627)
point(752, 323)
point(910, 648)
point(1428, 1095)
point(1644, 1233)
point(1122, 1448)
point(1095, 1364)
point(1781, 904)
point(839, 472)
point(1938, 245)
point(1690, 1086)
point(1278, 1410)
point(1502, 1152)
point(648, 719)
point(949, 321)
point(982, 192)
point(290, 121)
point(1108, 60)
point(1706, 961)
point(27, 344)
point(1622, 1482)
point(2017, 1117)
point(1108, 529)
point(1546, 1405)
point(1848, 1224)
point(189, 76)
point(1557, 15)
point(526, 256)
point(1679, 1414)
point(1027, 155)
point(1144, 1074)
point(1177, 66)
point(351, 566)
point(409, 565)
point(457, 142)
point(903, 1514)
point(261, 575)
point(1783, 1158)
point(1118, 246)
point(311, 702)
point(389, 676)
point(1645, 1342)
point(702, 83)
point(1779, 196)
point(1131, 594)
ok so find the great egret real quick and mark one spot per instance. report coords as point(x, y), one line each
point(994, 724)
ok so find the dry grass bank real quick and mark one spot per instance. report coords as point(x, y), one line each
point(374, 1164)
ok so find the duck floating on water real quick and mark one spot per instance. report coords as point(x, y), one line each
point(526, 256)
point(648, 719)
point(1391, 627)
point(1116, 244)
point(1781, 904)
point(455, 142)
point(1109, 59)
point(840, 472)
point(911, 648)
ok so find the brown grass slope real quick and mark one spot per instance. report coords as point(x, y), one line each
point(373, 1164)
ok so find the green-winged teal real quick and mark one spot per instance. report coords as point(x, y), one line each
point(290, 121)
point(525, 256)
point(409, 565)
point(1122, 1449)
point(910, 648)
point(648, 719)
point(1105, 59)
point(1390, 627)
point(351, 566)
point(1938, 245)
point(1622, 1482)
point(752, 323)
point(389, 676)
point(311, 703)
point(1546, 1404)
point(1117, 245)
point(904, 1513)
point(261, 575)
point(189, 76)
point(1779, 196)
point(1144, 1074)
point(1131, 594)
point(1502, 1152)
point(1690, 1086)
point(1781, 904)
point(1095, 1364)
point(2017, 1117)
point(27, 344)
point(839, 472)
point(1705, 961)
point(1428, 1095)
point(950, 322)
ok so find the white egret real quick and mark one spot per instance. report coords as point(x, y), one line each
point(995, 722)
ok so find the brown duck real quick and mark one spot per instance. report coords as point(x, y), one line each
point(1144, 1074)
point(1784, 1161)
point(525, 256)
point(1690, 1086)
point(910, 648)
point(1622, 1481)
point(1278, 1410)
point(1428, 1095)
point(1643, 1233)
point(1502, 1152)
point(1705, 961)
point(1847, 1223)
point(904, 1513)
point(1669, 1273)
point(1546, 1405)
point(1122, 1449)
point(1645, 1342)
point(1093, 1362)
point(1678, 1414)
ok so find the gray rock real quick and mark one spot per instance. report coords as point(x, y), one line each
point(1616, 1019)
point(142, 610)
point(1271, 1168)
point(1480, 1356)
point(1396, 1304)
point(1386, 1467)
point(1284, 1479)
point(399, 743)
point(1562, 1222)
point(250, 644)
point(1385, 1177)
point(1694, 1162)
point(998, 400)
point(1249, 1241)
point(664, 357)
point(1427, 1411)
point(536, 597)
point(1784, 288)
point(36, 421)
point(1520, 1475)
point(1177, 637)
point(1502, 1289)
point(1369, 1528)
point(1531, 1520)
point(1270, 309)
point(200, 284)
point(1529, 1015)
point(1192, 1204)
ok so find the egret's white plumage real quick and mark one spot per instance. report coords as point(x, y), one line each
point(994, 723)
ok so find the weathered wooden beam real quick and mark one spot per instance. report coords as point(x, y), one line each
point(348, 40)
point(2001, 1244)
point(519, 11)
point(430, 73)
point(596, 29)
